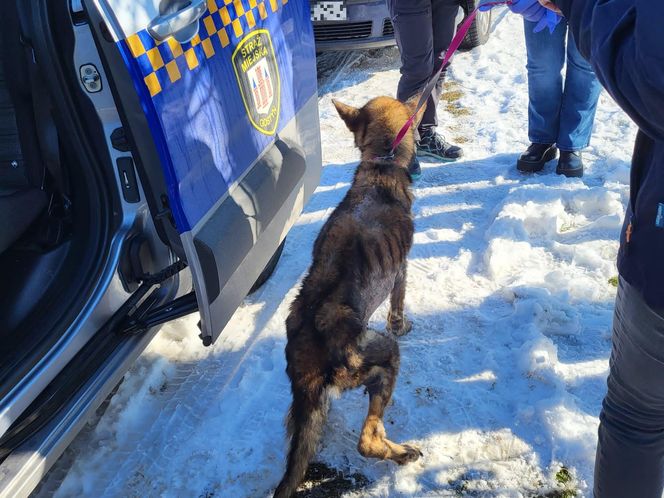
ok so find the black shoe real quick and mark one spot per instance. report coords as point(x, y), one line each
point(570, 164)
point(434, 145)
point(414, 169)
point(535, 157)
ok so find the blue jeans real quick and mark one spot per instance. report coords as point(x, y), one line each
point(558, 114)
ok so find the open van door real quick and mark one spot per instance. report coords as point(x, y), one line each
point(227, 96)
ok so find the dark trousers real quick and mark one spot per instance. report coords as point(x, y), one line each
point(423, 30)
point(630, 449)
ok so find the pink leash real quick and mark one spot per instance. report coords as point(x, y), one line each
point(454, 45)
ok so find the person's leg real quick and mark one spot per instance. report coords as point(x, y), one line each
point(413, 32)
point(630, 449)
point(413, 29)
point(545, 58)
point(579, 101)
point(443, 25)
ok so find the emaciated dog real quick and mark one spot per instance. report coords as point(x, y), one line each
point(359, 259)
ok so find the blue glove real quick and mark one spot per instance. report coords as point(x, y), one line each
point(531, 10)
point(549, 20)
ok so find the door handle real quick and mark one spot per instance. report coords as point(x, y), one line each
point(181, 25)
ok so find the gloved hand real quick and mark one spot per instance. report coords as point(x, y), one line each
point(531, 10)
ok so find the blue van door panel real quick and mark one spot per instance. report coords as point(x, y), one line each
point(195, 101)
point(234, 116)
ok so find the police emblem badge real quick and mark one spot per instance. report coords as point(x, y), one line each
point(258, 78)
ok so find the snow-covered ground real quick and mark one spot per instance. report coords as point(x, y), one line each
point(509, 289)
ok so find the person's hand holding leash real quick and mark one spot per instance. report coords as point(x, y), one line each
point(551, 6)
point(534, 11)
point(542, 12)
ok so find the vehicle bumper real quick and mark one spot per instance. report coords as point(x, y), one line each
point(367, 25)
point(344, 45)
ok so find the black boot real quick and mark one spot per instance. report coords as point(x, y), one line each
point(570, 164)
point(535, 157)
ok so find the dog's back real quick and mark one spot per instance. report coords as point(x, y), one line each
point(359, 257)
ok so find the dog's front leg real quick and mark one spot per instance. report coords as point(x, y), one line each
point(397, 323)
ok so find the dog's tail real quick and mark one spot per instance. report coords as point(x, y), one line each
point(306, 419)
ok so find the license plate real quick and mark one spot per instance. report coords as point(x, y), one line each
point(329, 10)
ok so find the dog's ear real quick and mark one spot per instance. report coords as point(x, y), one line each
point(411, 104)
point(348, 113)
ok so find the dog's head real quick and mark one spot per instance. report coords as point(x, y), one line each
point(376, 125)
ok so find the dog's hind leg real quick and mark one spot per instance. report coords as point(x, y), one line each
point(397, 323)
point(305, 424)
point(381, 357)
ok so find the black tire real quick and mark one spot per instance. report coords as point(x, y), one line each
point(269, 268)
point(479, 31)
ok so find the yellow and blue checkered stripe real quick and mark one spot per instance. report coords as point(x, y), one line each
point(193, 101)
point(163, 63)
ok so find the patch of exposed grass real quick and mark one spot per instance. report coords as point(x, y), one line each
point(563, 476)
point(613, 281)
point(565, 485)
point(450, 84)
point(457, 111)
point(451, 95)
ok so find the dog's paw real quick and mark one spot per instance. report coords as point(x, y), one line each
point(399, 328)
point(408, 455)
